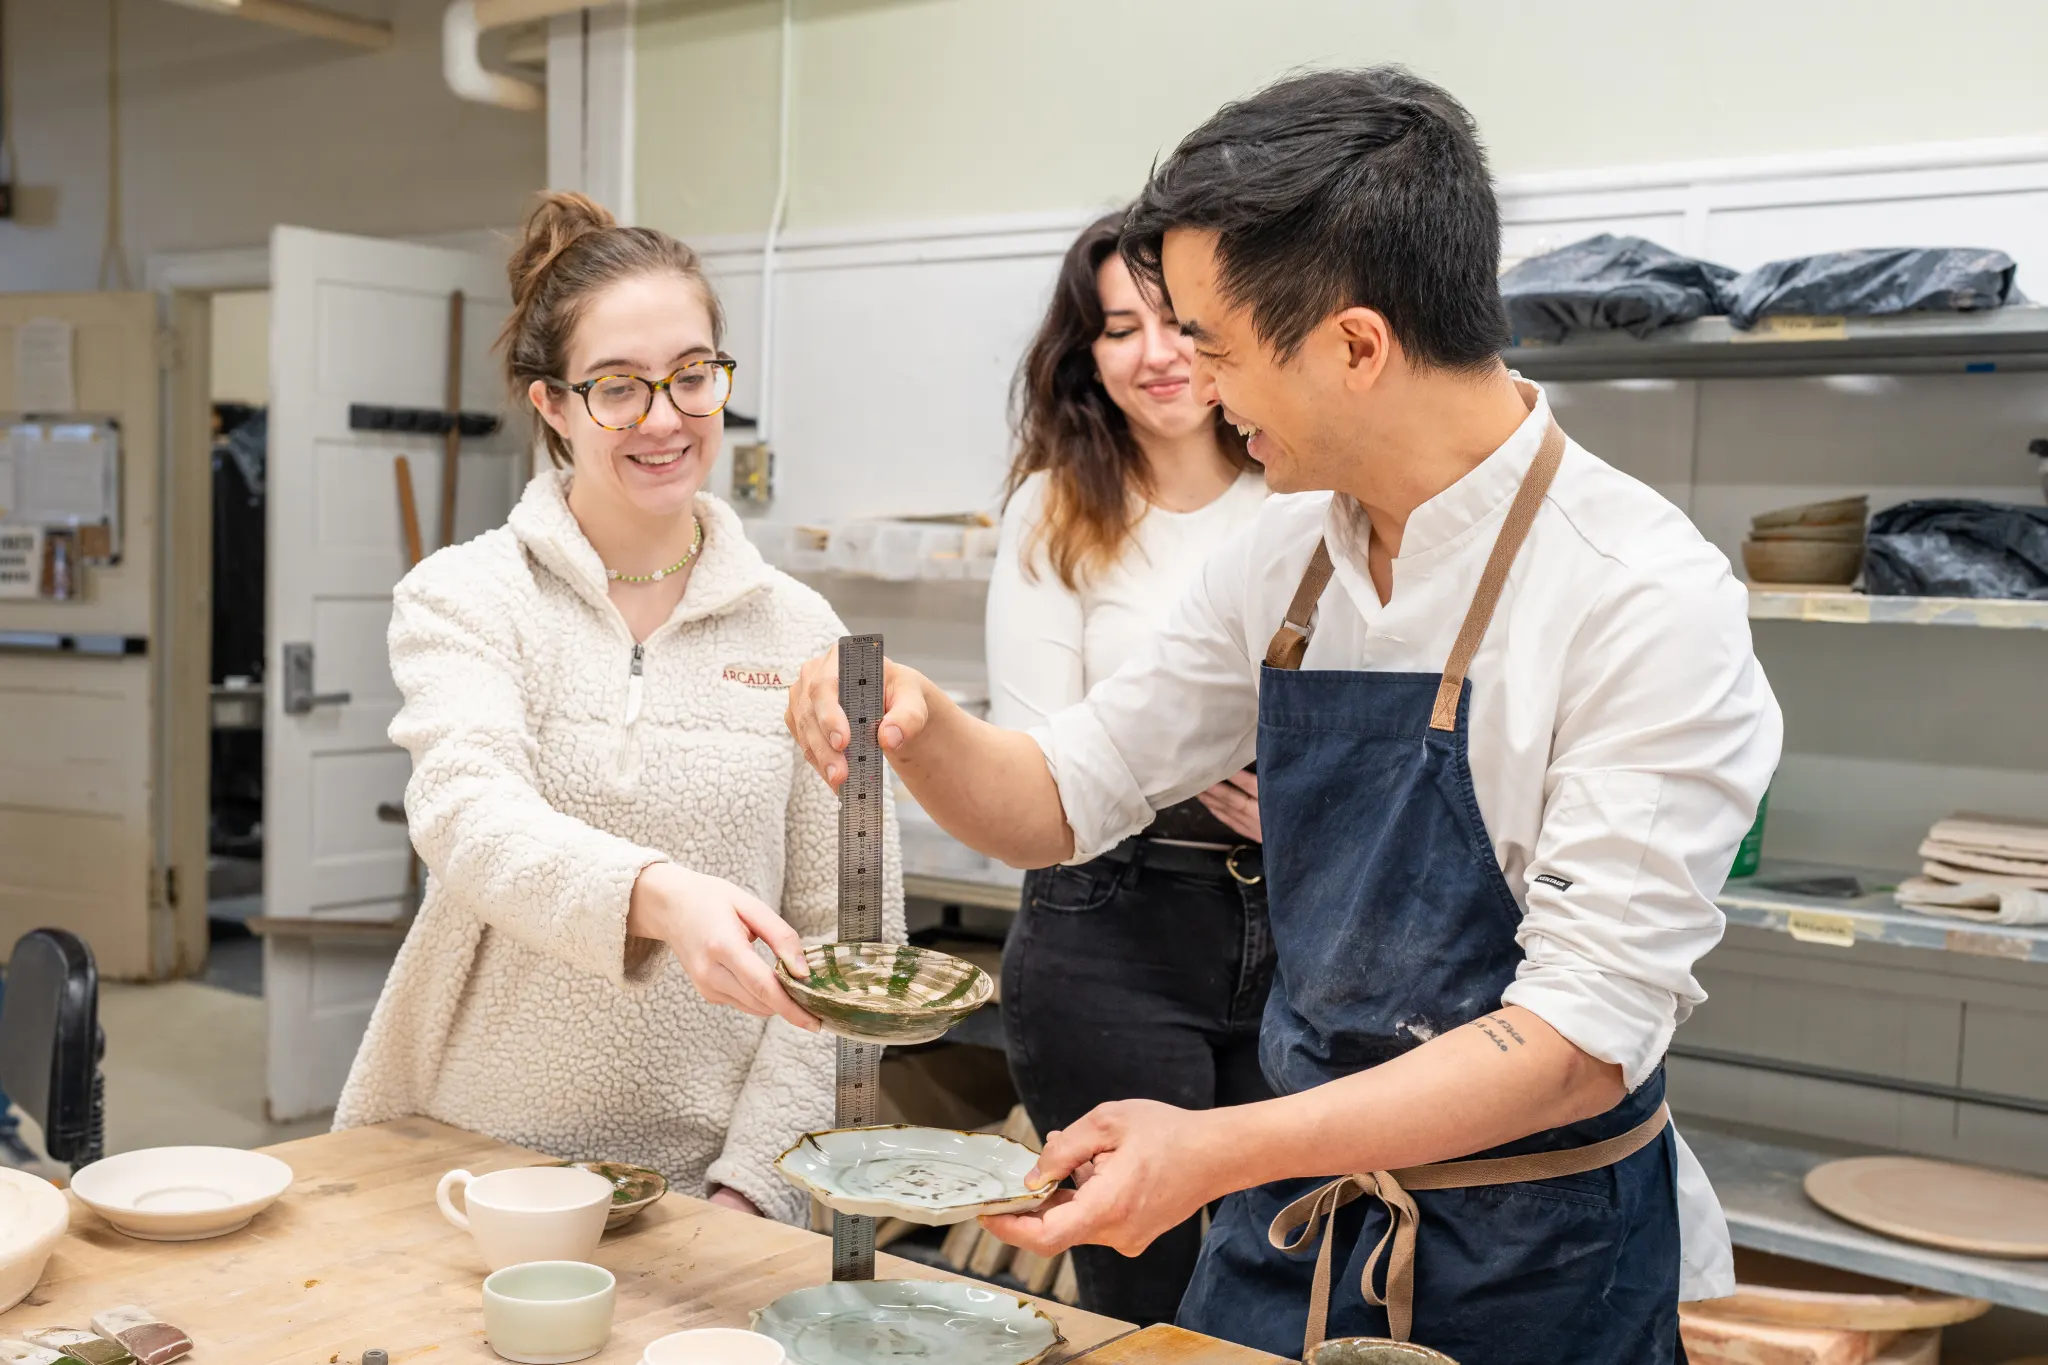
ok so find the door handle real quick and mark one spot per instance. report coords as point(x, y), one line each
point(299, 696)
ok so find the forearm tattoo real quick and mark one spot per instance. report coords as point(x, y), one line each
point(1494, 1022)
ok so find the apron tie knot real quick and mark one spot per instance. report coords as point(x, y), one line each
point(1312, 1215)
point(1310, 1218)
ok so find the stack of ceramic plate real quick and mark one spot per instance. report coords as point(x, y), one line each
point(1819, 544)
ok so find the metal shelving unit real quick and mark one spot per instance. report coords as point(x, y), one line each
point(1759, 1178)
point(985, 895)
point(1874, 917)
point(1997, 341)
point(1842, 607)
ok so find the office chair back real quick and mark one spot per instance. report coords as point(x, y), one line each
point(51, 1043)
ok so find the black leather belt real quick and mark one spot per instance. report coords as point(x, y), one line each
point(1242, 861)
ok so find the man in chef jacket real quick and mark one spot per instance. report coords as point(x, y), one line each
point(1509, 729)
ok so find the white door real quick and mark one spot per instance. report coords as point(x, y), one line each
point(354, 321)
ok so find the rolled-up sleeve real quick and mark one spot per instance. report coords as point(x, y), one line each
point(1180, 716)
point(1667, 735)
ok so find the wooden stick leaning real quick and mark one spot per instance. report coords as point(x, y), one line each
point(451, 441)
point(408, 512)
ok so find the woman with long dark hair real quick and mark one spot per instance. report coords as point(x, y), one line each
point(1141, 974)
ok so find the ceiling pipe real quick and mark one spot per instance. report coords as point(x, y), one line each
point(465, 23)
point(302, 18)
point(463, 67)
point(498, 13)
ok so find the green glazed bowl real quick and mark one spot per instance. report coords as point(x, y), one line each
point(1376, 1351)
point(634, 1188)
point(889, 993)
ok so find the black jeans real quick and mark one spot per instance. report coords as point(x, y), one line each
point(1123, 981)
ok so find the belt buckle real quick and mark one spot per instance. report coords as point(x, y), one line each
point(1230, 866)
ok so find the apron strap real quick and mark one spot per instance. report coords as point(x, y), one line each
point(1290, 642)
point(1310, 1216)
point(1513, 531)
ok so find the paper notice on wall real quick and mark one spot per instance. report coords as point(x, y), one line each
point(65, 477)
point(21, 561)
point(43, 374)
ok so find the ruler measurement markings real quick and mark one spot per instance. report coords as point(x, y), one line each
point(857, 1095)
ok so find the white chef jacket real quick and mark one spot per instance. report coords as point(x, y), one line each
point(1621, 730)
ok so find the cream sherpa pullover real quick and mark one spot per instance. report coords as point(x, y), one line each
point(552, 761)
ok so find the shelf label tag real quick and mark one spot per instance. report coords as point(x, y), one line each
point(1818, 926)
point(1846, 608)
point(1787, 327)
point(1986, 945)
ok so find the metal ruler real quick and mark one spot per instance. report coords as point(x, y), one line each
point(858, 1093)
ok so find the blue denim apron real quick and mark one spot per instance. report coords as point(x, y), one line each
point(1394, 925)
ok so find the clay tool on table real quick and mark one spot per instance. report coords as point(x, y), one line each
point(857, 1088)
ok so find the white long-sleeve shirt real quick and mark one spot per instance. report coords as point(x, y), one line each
point(1049, 643)
point(1621, 730)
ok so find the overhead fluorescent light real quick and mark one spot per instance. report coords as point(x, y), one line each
point(302, 18)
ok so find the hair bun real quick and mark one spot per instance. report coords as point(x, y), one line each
point(561, 219)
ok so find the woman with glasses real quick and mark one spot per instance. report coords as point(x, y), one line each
point(593, 698)
point(1142, 974)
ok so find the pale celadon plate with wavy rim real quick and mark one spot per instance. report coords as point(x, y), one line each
point(886, 1322)
point(931, 1176)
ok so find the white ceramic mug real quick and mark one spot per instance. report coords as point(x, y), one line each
point(549, 1312)
point(529, 1213)
point(714, 1346)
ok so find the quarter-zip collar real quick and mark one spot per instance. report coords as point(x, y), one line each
point(728, 569)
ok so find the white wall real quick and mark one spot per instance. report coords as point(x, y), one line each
point(241, 346)
point(229, 127)
point(914, 109)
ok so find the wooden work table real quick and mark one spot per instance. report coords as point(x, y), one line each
point(356, 1255)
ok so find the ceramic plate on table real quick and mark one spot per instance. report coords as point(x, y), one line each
point(932, 1176)
point(181, 1194)
point(890, 993)
point(939, 1322)
point(634, 1188)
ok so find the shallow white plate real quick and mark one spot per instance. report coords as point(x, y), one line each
point(879, 1322)
point(932, 1176)
point(181, 1194)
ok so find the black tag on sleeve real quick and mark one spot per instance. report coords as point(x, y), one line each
point(1548, 880)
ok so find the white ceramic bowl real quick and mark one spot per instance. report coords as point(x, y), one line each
point(181, 1194)
point(33, 1216)
point(714, 1346)
point(549, 1312)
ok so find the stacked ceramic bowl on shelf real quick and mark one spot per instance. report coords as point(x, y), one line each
point(1819, 544)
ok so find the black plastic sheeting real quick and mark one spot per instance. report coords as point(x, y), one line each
point(1873, 284)
point(1609, 283)
point(1956, 547)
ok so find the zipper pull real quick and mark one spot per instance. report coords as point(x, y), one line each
point(634, 684)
